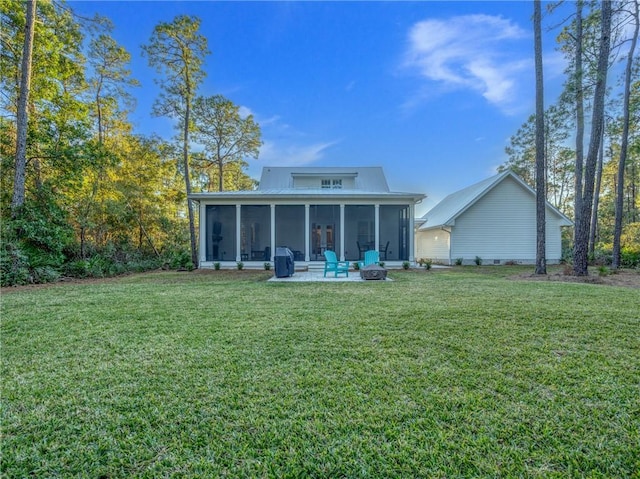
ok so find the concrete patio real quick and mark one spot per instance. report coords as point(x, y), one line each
point(317, 276)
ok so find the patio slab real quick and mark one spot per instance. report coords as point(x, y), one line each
point(317, 276)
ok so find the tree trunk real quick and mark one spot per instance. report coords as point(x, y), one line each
point(22, 116)
point(596, 199)
point(541, 262)
point(617, 231)
point(579, 115)
point(187, 180)
point(581, 246)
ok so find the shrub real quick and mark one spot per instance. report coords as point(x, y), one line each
point(406, 264)
point(381, 263)
point(630, 256)
point(14, 264)
point(478, 261)
point(267, 266)
point(425, 263)
point(603, 270)
point(458, 262)
point(180, 259)
point(216, 266)
point(240, 265)
point(356, 265)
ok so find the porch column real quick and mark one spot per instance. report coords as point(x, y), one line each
point(238, 232)
point(273, 232)
point(306, 233)
point(412, 234)
point(377, 226)
point(341, 232)
point(202, 226)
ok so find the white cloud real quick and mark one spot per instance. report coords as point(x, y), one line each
point(278, 153)
point(473, 52)
point(245, 111)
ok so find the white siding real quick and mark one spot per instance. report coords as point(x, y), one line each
point(434, 245)
point(501, 226)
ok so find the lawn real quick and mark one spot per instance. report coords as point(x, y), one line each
point(445, 374)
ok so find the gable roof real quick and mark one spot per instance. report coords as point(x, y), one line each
point(370, 179)
point(445, 212)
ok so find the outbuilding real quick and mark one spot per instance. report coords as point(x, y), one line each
point(493, 220)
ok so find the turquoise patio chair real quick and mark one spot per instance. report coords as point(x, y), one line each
point(333, 265)
point(370, 257)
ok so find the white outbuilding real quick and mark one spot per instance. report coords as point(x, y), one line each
point(494, 220)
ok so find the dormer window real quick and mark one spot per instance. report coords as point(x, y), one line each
point(336, 184)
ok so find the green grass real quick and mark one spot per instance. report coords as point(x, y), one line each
point(460, 373)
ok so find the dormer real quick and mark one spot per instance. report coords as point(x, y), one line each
point(325, 180)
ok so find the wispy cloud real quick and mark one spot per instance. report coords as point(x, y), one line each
point(470, 52)
point(283, 153)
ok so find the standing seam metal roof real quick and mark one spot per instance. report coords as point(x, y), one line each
point(457, 203)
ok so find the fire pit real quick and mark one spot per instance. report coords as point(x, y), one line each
point(373, 271)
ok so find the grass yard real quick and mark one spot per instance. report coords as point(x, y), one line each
point(444, 374)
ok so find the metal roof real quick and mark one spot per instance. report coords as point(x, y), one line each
point(277, 183)
point(445, 212)
point(369, 178)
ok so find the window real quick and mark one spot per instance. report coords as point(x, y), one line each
point(335, 184)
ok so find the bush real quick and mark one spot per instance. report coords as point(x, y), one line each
point(406, 264)
point(267, 266)
point(216, 266)
point(478, 261)
point(180, 259)
point(240, 265)
point(356, 265)
point(14, 264)
point(425, 263)
point(630, 256)
point(458, 262)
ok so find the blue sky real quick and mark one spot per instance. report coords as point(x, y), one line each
point(430, 91)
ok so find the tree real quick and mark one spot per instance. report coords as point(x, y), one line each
point(110, 76)
point(617, 233)
point(177, 51)
point(541, 266)
point(227, 137)
point(22, 116)
point(583, 216)
point(559, 160)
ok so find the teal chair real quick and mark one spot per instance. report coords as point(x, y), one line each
point(370, 257)
point(333, 265)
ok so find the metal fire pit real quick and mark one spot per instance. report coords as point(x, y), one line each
point(373, 271)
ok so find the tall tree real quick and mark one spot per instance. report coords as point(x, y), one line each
point(22, 114)
point(177, 51)
point(579, 101)
point(583, 217)
point(226, 135)
point(617, 233)
point(110, 76)
point(541, 262)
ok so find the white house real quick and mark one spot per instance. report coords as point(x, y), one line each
point(494, 220)
point(308, 210)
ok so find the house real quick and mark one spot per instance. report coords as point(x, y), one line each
point(309, 210)
point(494, 220)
